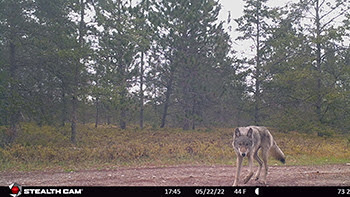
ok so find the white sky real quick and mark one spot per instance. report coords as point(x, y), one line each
point(235, 7)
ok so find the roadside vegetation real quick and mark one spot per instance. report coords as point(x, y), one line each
point(105, 147)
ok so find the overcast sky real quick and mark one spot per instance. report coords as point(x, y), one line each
point(236, 8)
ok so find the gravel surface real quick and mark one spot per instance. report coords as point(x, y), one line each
point(323, 175)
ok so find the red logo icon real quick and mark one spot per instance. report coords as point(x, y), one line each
point(16, 189)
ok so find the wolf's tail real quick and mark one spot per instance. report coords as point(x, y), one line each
point(277, 153)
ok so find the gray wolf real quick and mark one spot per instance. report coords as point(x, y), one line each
point(247, 141)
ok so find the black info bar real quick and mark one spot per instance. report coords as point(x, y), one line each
point(175, 191)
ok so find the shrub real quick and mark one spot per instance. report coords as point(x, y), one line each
point(110, 145)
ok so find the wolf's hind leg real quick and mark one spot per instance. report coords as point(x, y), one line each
point(264, 157)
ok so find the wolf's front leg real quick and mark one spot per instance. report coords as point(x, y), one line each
point(248, 177)
point(250, 163)
point(238, 170)
point(257, 158)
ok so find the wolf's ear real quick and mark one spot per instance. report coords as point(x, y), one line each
point(250, 132)
point(237, 133)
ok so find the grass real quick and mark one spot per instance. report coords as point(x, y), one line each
point(108, 147)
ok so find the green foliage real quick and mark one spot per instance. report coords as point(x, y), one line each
point(306, 67)
point(75, 61)
point(305, 149)
point(32, 135)
point(197, 50)
point(108, 146)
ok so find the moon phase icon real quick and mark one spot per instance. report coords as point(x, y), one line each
point(257, 191)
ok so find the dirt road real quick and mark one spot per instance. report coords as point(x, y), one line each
point(325, 175)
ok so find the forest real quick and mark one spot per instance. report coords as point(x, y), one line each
point(173, 63)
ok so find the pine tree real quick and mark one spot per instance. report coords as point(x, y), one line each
point(306, 65)
point(16, 27)
point(254, 25)
point(117, 51)
point(195, 48)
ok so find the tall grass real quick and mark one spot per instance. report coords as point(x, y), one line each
point(40, 148)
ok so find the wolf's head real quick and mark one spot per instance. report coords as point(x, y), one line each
point(243, 143)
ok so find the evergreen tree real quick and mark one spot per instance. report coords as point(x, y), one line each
point(15, 25)
point(306, 65)
point(255, 25)
point(196, 51)
point(117, 51)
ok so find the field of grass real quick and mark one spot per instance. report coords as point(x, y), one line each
point(47, 148)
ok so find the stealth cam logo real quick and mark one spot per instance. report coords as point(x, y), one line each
point(16, 189)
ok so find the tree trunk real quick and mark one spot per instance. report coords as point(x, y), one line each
point(97, 113)
point(14, 108)
point(141, 91)
point(193, 114)
point(167, 96)
point(108, 119)
point(318, 63)
point(257, 70)
point(186, 121)
point(166, 105)
point(76, 75)
point(123, 106)
point(122, 122)
point(64, 111)
point(74, 119)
